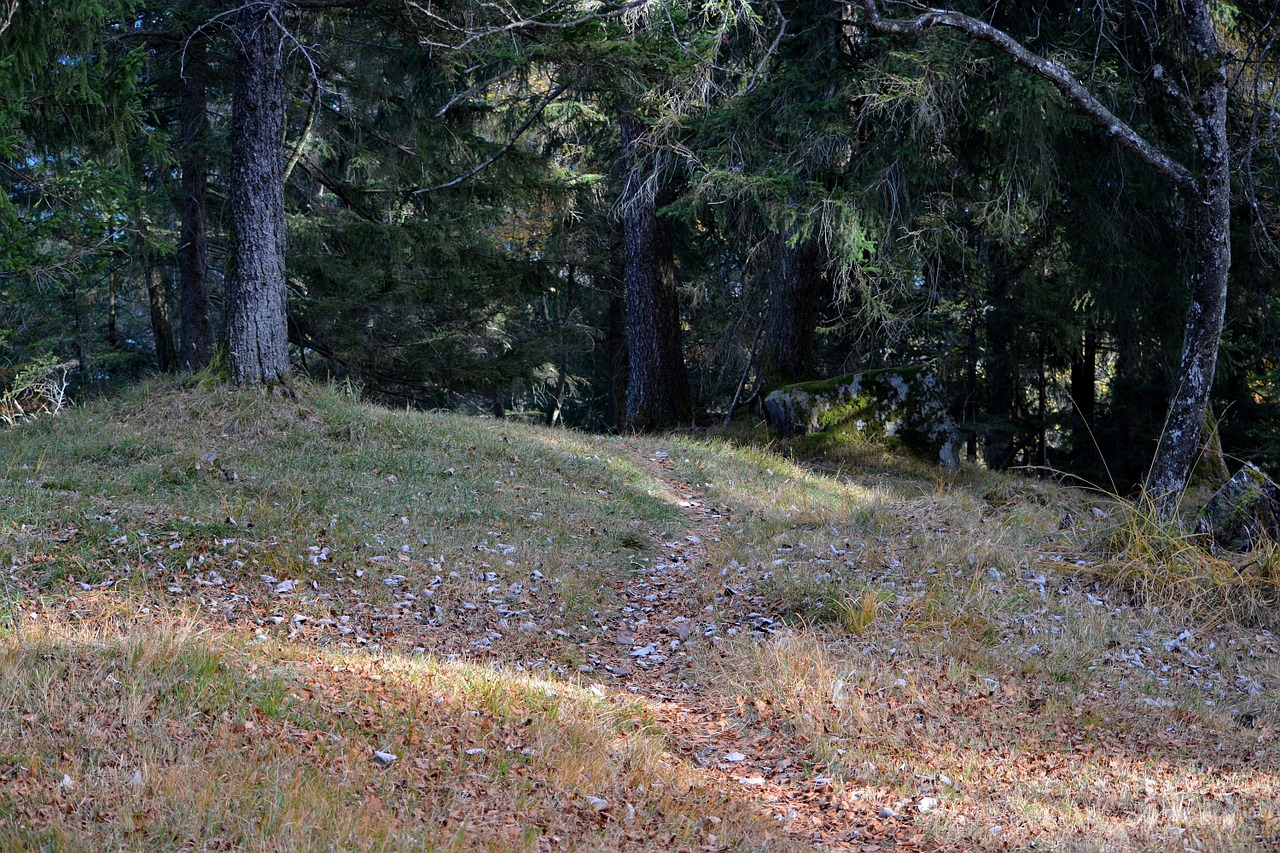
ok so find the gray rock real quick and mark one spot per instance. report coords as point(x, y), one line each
point(905, 406)
point(1242, 511)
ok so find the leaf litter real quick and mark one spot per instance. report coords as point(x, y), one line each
point(896, 752)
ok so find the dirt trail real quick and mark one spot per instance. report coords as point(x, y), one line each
point(732, 741)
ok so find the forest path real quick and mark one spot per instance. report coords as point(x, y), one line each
point(732, 741)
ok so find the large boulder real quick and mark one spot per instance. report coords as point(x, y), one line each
point(898, 405)
point(1243, 511)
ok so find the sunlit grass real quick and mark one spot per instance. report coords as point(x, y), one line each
point(129, 730)
point(928, 625)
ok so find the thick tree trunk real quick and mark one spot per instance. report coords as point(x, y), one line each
point(257, 333)
point(1180, 442)
point(193, 247)
point(657, 387)
point(792, 317)
point(161, 318)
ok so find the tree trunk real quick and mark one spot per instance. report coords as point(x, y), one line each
point(657, 388)
point(161, 318)
point(257, 332)
point(193, 247)
point(1084, 386)
point(1180, 441)
point(1004, 384)
point(616, 343)
point(113, 335)
point(564, 301)
point(792, 316)
point(971, 390)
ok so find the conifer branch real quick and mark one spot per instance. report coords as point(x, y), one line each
point(1049, 70)
point(489, 161)
point(312, 112)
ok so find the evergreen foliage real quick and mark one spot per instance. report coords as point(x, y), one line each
point(837, 200)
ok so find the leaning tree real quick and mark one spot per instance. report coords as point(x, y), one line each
point(1181, 54)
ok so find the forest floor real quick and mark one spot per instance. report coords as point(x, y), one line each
point(230, 621)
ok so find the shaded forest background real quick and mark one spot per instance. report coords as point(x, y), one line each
point(527, 211)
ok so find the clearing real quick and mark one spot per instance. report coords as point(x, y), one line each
point(222, 614)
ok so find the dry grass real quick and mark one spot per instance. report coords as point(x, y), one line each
point(938, 628)
point(1163, 562)
point(127, 730)
point(949, 630)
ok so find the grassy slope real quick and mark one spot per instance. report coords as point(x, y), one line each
point(186, 699)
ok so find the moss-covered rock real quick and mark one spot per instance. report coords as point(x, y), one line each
point(1242, 511)
point(897, 405)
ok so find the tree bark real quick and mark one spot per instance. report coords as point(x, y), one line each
point(564, 300)
point(1180, 442)
point(657, 387)
point(193, 246)
point(257, 331)
point(1000, 435)
point(792, 317)
point(161, 318)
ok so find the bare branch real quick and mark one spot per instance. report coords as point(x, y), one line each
point(7, 11)
point(514, 20)
point(308, 126)
point(479, 87)
point(528, 122)
point(1054, 72)
point(1171, 89)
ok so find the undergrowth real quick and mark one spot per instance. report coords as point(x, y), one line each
point(1161, 562)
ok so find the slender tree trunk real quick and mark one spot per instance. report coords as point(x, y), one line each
point(257, 332)
point(82, 354)
point(1180, 441)
point(113, 335)
point(161, 317)
point(193, 247)
point(971, 389)
point(1042, 412)
point(616, 343)
point(1084, 369)
point(556, 405)
point(657, 388)
point(792, 317)
point(564, 301)
point(1003, 379)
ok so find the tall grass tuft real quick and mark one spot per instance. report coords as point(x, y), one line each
point(1161, 562)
